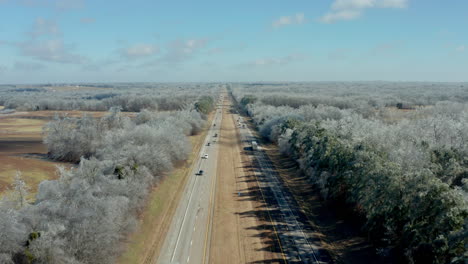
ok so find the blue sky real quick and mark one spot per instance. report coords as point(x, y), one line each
point(310, 40)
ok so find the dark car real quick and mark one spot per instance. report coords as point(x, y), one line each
point(200, 172)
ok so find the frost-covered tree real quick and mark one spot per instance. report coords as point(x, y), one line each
point(404, 169)
point(20, 190)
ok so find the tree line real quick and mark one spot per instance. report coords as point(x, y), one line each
point(355, 95)
point(408, 180)
point(129, 99)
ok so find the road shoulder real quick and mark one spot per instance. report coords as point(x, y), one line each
point(143, 245)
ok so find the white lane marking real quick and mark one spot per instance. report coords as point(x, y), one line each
point(181, 227)
point(188, 259)
point(185, 215)
point(191, 241)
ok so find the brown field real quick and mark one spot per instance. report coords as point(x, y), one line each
point(21, 147)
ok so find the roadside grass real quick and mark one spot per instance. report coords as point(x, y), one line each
point(143, 244)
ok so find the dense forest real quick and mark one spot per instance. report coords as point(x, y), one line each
point(93, 97)
point(84, 215)
point(396, 153)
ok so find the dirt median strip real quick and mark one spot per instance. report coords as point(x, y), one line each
point(241, 230)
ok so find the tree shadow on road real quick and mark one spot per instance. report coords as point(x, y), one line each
point(273, 227)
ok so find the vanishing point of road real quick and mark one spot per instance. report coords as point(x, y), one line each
point(190, 233)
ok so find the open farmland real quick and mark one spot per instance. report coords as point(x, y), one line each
point(21, 149)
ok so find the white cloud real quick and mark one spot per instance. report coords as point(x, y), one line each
point(45, 43)
point(340, 15)
point(178, 52)
point(393, 3)
point(352, 4)
point(298, 18)
point(181, 50)
point(276, 61)
point(44, 27)
point(461, 48)
point(361, 4)
point(140, 51)
point(352, 9)
point(51, 50)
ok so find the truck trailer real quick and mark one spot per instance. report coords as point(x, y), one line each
point(254, 145)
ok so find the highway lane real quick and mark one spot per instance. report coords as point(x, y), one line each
point(294, 235)
point(187, 240)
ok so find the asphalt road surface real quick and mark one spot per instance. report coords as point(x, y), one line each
point(188, 238)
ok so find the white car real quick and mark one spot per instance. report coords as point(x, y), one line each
point(205, 156)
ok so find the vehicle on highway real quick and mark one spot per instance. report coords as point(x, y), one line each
point(200, 172)
point(214, 125)
point(216, 135)
point(205, 156)
point(254, 145)
point(208, 144)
